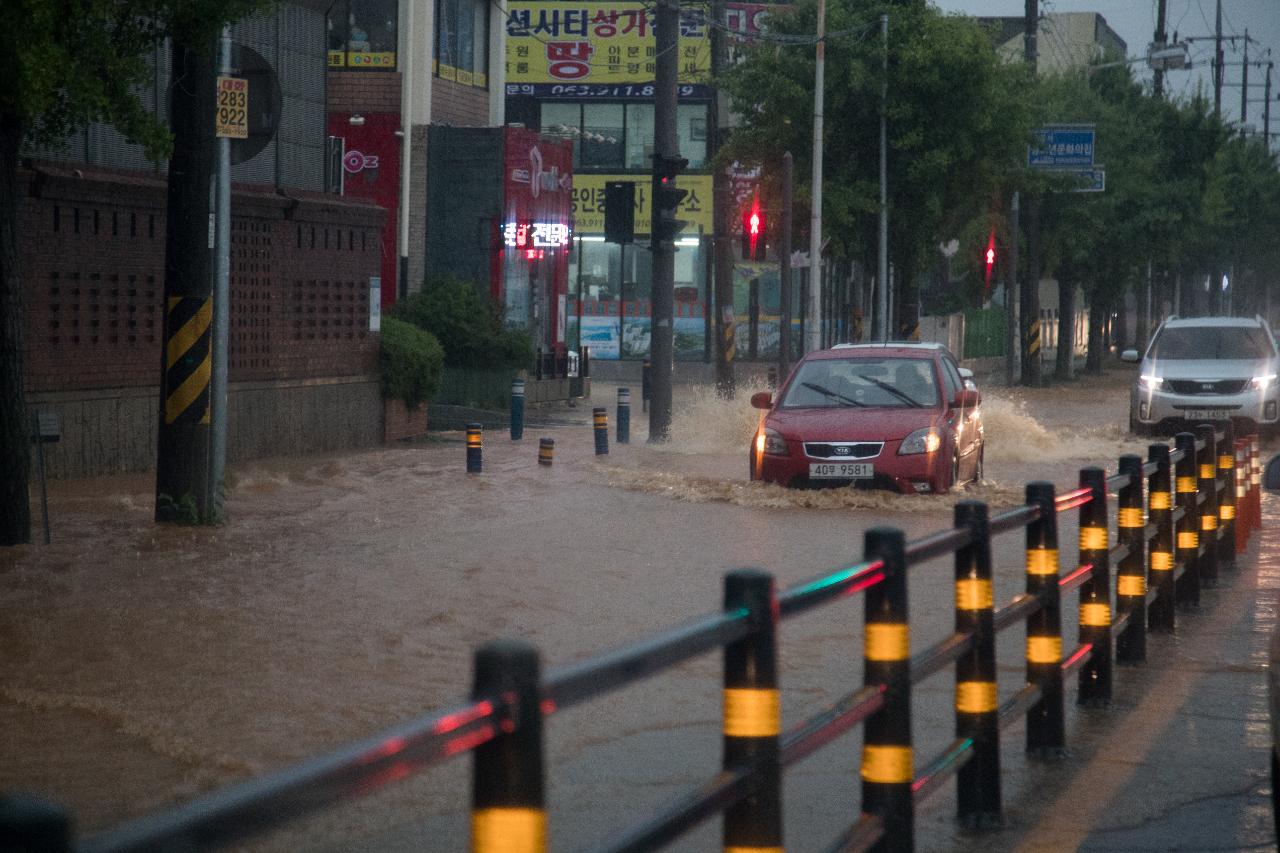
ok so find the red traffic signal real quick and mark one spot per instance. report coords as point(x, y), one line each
point(990, 258)
point(754, 241)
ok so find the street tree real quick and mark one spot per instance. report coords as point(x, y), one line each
point(66, 64)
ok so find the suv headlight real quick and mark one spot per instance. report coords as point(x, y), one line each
point(1262, 383)
point(771, 441)
point(1149, 382)
point(926, 440)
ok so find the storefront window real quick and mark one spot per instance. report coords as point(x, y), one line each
point(363, 35)
point(564, 120)
point(639, 136)
point(691, 128)
point(462, 41)
point(620, 136)
point(603, 135)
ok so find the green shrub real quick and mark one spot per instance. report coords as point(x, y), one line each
point(467, 324)
point(410, 360)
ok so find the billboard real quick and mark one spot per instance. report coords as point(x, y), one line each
point(598, 49)
point(588, 202)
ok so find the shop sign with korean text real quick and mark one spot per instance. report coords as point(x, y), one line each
point(588, 203)
point(232, 116)
point(602, 50)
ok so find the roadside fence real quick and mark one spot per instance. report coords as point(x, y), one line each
point(1182, 515)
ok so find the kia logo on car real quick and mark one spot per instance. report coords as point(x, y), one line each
point(843, 451)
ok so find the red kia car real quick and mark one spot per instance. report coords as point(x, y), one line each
point(899, 416)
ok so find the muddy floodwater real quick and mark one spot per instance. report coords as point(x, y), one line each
point(144, 665)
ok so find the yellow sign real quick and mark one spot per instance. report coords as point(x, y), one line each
point(232, 117)
point(568, 43)
point(588, 202)
point(363, 59)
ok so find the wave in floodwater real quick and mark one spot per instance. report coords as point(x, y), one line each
point(1015, 435)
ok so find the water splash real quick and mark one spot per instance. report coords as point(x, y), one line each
point(1014, 435)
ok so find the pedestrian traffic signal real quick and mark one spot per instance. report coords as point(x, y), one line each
point(754, 233)
point(990, 259)
point(666, 198)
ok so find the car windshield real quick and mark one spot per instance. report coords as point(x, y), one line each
point(1201, 342)
point(861, 382)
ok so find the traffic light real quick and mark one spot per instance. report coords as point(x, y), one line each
point(754, 233)
point(666, 198)
point(989, 258)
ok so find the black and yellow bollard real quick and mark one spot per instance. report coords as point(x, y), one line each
point(888, 765)
point(517, 409)
point(1207, 484)
point(1046, 719)
point(1187, 529)
point(475, 457)
point(1131, 572)
point(977, 709)
point(600, 424)
point(624, 415)
point(546, 451)
point(1227, 503)
point(507, 786)
point(753, 714)
point(1095, 595)
point(1161, 613)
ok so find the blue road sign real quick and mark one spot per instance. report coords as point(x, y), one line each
point(1091, 180)
point(1062, 147)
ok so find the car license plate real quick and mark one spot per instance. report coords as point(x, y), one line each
point(841, 470)
point(1207, 414)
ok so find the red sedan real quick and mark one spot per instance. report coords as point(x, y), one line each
point(892, 416)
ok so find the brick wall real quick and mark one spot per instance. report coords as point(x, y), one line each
point(458, 105)
point(364, 91)
point(93, 271)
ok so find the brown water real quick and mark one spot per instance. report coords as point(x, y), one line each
point(142, 665)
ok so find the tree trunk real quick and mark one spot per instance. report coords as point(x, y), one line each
point(15, 436)
point(1097, 318)
point(1064, 367)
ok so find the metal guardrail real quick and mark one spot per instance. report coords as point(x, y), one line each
point(1182, 516)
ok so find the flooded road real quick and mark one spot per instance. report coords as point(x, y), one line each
point(143, 665)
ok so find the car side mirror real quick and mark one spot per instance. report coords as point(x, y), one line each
point(1271, 476)
point(762, 400)
point(1129, 355)
point(967, 399)
point(966, 373)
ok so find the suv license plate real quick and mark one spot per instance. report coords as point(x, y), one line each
point(841, 470)
point(1207, 414)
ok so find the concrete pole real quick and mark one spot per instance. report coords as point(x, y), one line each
point(1011, 291)
point(883, 255)
point(406, 152)
point(815, 224)
point(784, 253)
point(1217, 64)
point(1244, 86)
point(1161, 38)
point(666, 146)
point(221, 308)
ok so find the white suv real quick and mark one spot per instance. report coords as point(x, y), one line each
point(1202, 369)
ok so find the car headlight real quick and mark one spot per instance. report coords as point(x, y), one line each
point(1150, 383)
point(771, 441)
point(1262, 383)
point(926, 440)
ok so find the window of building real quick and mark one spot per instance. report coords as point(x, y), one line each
point(462, 41)
point(639, 136)
point(603, 135)
point(363, 34)
point(620, 136)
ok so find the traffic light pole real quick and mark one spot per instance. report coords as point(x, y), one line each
point(666, 149)
point(784, 256)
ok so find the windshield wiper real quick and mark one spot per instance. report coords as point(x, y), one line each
point(827, 392)
point(915, 404)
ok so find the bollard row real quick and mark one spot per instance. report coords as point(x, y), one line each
point(546, 446)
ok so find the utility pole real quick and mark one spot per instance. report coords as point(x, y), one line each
point(784, 273)
point(722, 207)
point(882, 268)
point(1029, 322)
point(182, 442)
point(1011, 290)
point(1266, 111)
point(1161, 39)
point(812, 329)
point(221, 307)
point(1244, 86)
point(1217, 64)
point(667, 149)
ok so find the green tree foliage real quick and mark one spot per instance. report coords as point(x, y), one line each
point(65, 64)
point(410, 360)
point(468, 326)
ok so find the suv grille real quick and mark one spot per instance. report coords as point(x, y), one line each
point(843, 449)
point(1195, 386)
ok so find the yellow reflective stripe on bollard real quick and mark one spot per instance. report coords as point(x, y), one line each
point(887, 641)
point(1159, 500)
point(1208, 521)
point(973, 594)
point(752, 712)
point(1044, 650)
point(509, 830)
point(975, 697)
point(887, 765)
point(1042, 561)
point(1131, 585)
point(1161, 561)
point(1188, 539)
point(1207, 471)
point(1226, 463)
point(1093, 538)
point(1186, 484)
point(1095, 615)
point(1131, 516)
point(1227, 512)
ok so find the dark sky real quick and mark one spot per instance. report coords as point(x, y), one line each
point(1135, 22)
